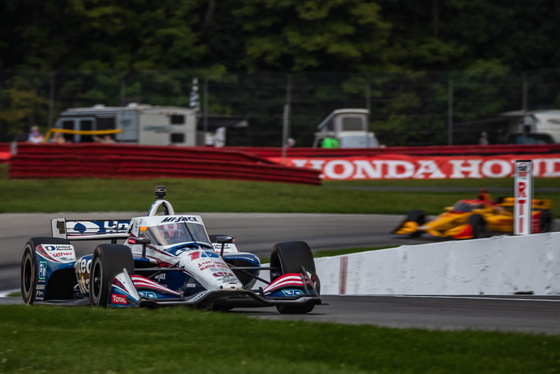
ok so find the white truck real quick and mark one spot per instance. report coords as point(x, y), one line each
point(533, 127)
point(349, 126)
point(139, 124)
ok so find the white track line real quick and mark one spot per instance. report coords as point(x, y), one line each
point(6, 293)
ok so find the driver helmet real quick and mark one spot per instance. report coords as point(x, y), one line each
point(173, 231)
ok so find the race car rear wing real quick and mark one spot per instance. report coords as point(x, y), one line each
point(89, 230)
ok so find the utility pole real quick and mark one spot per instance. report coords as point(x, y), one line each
point(286, 119)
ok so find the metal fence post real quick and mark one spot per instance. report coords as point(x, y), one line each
point(286, 121)
point(205, 104)
point(123, 90)
point(524, 96)
point(51, 100)
point(450, 113)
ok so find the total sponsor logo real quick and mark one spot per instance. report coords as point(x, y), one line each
point(176, 219)
point(118, 299)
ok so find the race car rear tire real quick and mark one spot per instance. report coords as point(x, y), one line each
point(108, 260)
point(418, 216)
point(545, 221)
point(478, 225)
point(28, 275)
point(289, 257)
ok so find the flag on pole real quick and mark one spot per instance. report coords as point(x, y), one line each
point(195, 100)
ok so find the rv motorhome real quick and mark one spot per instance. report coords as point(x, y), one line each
point(139, 124)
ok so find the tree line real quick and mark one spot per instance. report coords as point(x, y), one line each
point(220, 38)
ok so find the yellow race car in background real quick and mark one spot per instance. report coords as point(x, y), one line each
point(474, 219)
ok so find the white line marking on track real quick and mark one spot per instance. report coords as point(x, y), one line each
point(478, 298)
point(6, 293)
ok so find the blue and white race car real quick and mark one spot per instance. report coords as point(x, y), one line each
point(166, 259)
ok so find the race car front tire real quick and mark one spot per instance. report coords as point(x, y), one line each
point(478, 225)
point(290, 257)
point(108, 260)
point(545, 221)
point(418, 216)
point(28, 275)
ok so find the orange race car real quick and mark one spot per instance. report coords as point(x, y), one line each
point(474, 219)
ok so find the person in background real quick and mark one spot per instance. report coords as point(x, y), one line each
point(483, 138)
point(330, 142)
point(484, 195)
point(58, 138)
point(35, 135)
point(107, 139)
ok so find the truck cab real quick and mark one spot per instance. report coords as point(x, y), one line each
point(533, 127)
point(349, 126)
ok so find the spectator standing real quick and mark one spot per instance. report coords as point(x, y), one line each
point(58, 138)
point(330, 142)
point(483, 138)
point(35, 135)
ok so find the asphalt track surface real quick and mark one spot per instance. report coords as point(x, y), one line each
point(257, 233)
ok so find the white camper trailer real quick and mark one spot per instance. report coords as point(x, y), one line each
point(139, 124)
point(349, 126)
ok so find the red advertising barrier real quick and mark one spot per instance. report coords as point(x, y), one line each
point(4, 152)
point(130, 161)
point(439, 150)
point(425, 167)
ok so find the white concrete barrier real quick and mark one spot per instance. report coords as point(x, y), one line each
point(499, 265)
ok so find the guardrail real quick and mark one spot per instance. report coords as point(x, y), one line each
point(132, 161)
point(502, 265)
point(5, 152)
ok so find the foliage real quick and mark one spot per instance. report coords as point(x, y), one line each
point(381, 55)
point(179, 340)
point(199, 195)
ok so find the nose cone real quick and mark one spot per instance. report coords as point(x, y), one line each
point(232, 287)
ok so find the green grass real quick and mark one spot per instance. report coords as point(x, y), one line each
point(199, 195)
point(179, 340)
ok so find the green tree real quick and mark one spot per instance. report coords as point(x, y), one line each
point(312, 35)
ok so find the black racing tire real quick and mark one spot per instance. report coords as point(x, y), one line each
point(545, 221)
point(418, 216)
point(108, 260)
point(28, 275)
point(289, 257)
point(478, 225)
point(499, 200)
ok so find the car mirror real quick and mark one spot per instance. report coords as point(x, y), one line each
point(223, 239)
point(143, 241)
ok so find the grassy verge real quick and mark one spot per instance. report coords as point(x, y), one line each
point(198, 195)
point(178, 340)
